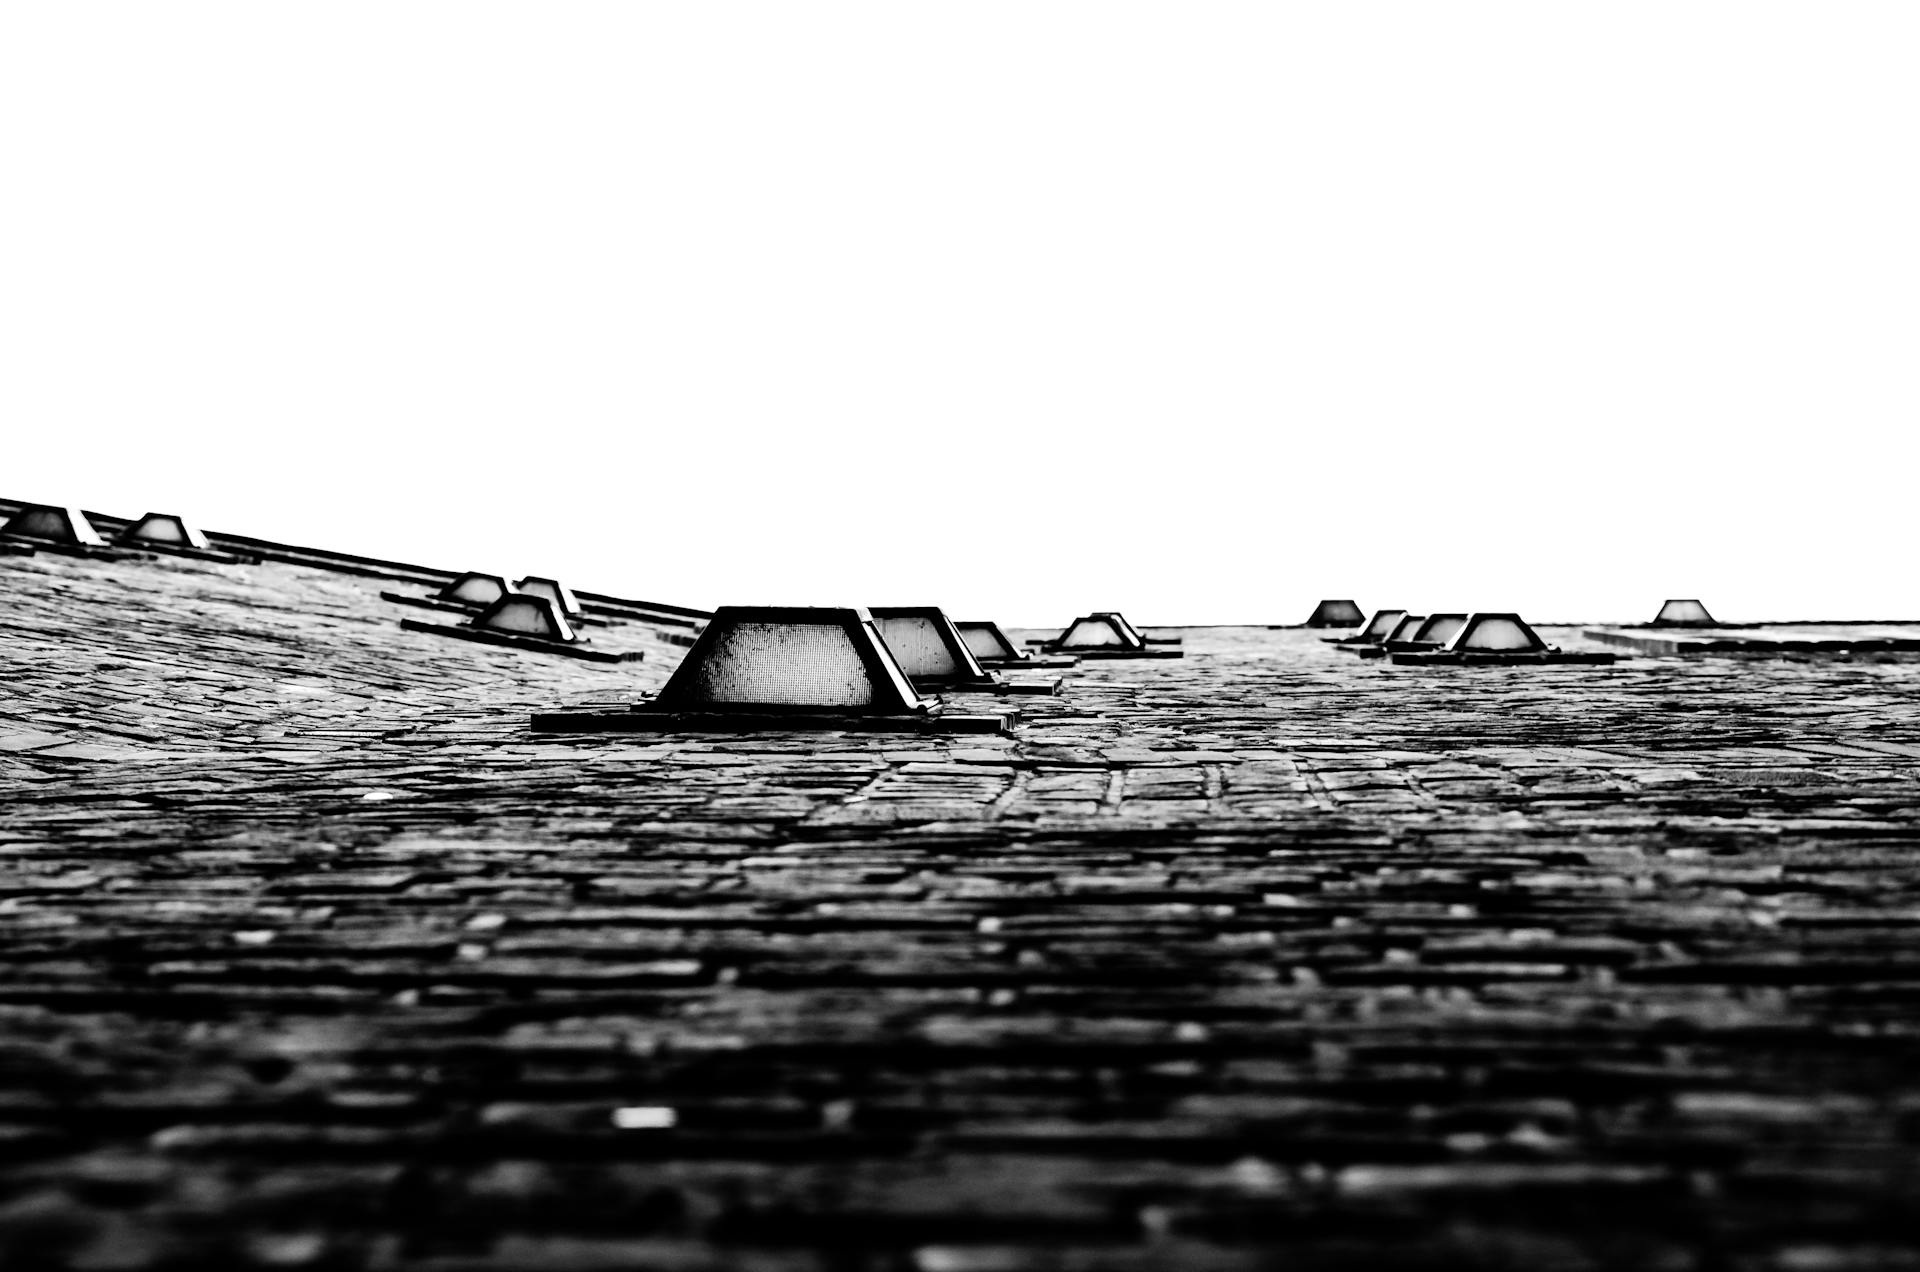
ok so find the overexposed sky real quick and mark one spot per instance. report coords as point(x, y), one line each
point(1197, 311)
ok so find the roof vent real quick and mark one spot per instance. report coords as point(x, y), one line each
point(1683, 614)
point(54, 525)
point(475, 590)
point(164, 530)
point(783, 667)
point(1382, 622)
point(553, 590)
point(518, 614)
point(1336, 614)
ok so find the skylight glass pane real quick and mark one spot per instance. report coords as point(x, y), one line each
point(160, 530)
point(781, 664)
point(985, 641)
point(916, 644)
point(1499, 634)
point(553, 590)
point(1092, 631)
point(1383, 622)
point(475, 589)
point(1336, 614)
point(527, 616)
point(60, 525)
point(1683, 612)
point(1441, 627)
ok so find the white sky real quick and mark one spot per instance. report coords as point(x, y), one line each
point(1197, 311)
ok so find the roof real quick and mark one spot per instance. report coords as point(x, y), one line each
point(317, 956)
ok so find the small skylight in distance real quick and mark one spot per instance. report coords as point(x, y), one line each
point(1440, 628)
point(521, 615)
point(165, 528)
point(1685, 613)
point(55, 525)
point(553, 590)
point(477, 590)
point(1336, 614)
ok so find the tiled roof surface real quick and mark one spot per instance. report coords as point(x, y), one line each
point(313, 955)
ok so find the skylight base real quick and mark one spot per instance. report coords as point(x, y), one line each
point(1529, 658)
point(89, 551)
point(215, 555)
point(995, 686)
point(514, 641)
point(1030, 662)
point(638, 719)
point(456, 607)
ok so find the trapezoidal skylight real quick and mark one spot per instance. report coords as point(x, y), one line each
point(1336, 614)
point(988, 643)
point(553, 590)
point(1098, 631)
point(1440, 628)
point(927, 646)
point(1684, 613)
point(1382, 622)
point(517, 614)
point(474, 589)
point(1406, 627)
point(790, 659)
point(165, 529)
point(1495, 634)
point(54, 525)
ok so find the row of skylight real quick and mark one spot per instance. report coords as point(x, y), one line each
point(70, 527)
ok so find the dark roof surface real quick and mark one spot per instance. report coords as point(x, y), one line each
point(315, 956)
